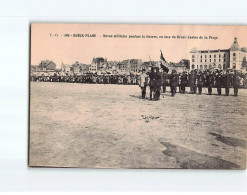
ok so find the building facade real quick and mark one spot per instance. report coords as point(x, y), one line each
point(222, 59)
point(179, 67)
point(65, 68)
point(97, 64)
point(46, 66)
point(130, 66)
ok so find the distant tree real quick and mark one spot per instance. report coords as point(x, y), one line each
point(186, 62)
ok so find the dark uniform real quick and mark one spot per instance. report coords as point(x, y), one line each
point(155, 79)
point(227, 82)
point(218, 82)
point(192, 82)
point(236, 82)
point(179, 83)
point(173, 82)
point(200, 82)
point(183, 81)
point(163, 81)
point(209, 82)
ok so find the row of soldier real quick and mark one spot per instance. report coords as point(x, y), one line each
point(156, 79)
point(195, 80)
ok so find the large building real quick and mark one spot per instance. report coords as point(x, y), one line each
point(65, 68)
point(46, 66)
point(130, 66)
point(233, 58)
point(180, 66)
point(97, 64)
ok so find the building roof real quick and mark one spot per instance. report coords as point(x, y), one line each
point(98, 60)
point(244, 49)
point(179, 64)
point(235, 46)
point(66, 65)
point(193, 50)
point(45, 63)
point(134, 60)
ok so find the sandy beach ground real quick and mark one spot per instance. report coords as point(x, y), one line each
point(109, 126)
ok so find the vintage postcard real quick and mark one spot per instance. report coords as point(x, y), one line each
point(138, 96)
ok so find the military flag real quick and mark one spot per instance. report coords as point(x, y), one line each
point(166, 69)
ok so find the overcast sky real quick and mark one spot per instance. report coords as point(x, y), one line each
point(45, 45)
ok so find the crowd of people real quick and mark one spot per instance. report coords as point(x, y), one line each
point(158, 80)
point(196, 80)
point(90, 78)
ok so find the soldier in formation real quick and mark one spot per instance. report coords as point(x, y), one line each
point(218, 81)
point(227, 81)
point(157, 80)
point(236, 82)
point(155, 83)
point(143, 83)
point(200, 82)
point(209, 82)
point(183, 81)
point(192, 82)
point(174, 82)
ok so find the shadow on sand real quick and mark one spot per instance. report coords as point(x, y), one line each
point(189, 159)
point(230, 141)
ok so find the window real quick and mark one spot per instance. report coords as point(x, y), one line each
point(219, 55)
point(210, 60)
point(214, 56)
point(201, 56)
point(201, 60)
point(219, 60)
point(224, 55)
point(234, 54)
point(210, 56)
point(193, 60)
point(193, 66)
point(193, 56)
point(214, 60)
point(205, 56)
point(205, 60)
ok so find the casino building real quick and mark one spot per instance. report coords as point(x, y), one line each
point(222, 59)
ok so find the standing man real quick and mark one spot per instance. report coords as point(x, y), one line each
point(162, 79)
point(227, 80)
point(143, 84)
point(218, 81)
point(236, 83)
point(165, 76)
point(209, 82)
point(154, 83)
point(179, 82)
point(184, 81)
point(192, 82)
point(200, 82)
point(173, 82)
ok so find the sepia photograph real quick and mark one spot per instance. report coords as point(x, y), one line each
point(137, 96)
